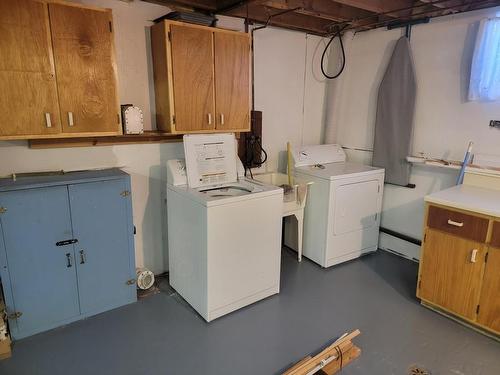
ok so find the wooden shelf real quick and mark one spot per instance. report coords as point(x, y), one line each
point(126, 139)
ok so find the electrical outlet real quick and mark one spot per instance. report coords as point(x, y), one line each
point(495, 124)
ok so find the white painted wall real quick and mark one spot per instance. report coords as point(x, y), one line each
point(282, 101)
point(289, 91)
point(444, 121)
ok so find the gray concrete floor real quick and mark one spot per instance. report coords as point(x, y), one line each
point(163, 335)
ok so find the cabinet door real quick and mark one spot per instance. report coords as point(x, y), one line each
point(232, 81)
point(102, 222)
point(42, 275)
point(193, 78)
point(450, 273)
point(85, 68)
point(27, 79)
point(489, 313)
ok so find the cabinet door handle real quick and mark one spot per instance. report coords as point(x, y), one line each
point(82, 257)
point(455, 223)
point(222, 118)
point(48, 122)
point(68, 259)
point(209, 119)
point(473, 256)
point(70, 119)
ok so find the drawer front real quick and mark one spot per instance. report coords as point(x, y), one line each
point(495, 238)
point(458, 223)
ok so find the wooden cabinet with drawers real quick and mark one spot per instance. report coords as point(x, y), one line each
point(202, 78)
point(57, 71)
point(459, 268)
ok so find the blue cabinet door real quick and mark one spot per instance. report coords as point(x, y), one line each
point(101, 219)
point(42, 276)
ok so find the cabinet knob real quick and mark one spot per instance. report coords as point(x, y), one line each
point(222, 118)
point(83, 258)
point(209, 119)
point(70, 119)
point(473, 256)
point(68, 259)
point(48, 122)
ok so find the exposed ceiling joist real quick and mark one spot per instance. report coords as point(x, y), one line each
point(209, 5)
point(377, 6)
point(291, 20)
point(319, 8)
point(321, 16)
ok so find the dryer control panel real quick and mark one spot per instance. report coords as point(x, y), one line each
point(318, 155)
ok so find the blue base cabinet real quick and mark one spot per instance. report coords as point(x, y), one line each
point(66, 248)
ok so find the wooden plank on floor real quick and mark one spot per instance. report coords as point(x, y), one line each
point(337, 365)
point(308, 364)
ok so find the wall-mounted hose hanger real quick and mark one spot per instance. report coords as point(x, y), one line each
point(407, 25)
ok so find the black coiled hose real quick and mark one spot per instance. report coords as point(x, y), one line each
point(336, 35)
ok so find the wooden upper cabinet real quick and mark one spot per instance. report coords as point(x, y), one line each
point(489, 313)
point(232, 81)
point(451, 273)
point(193, 78)
point(27, 78)
point(85, 67)
point(202, 78)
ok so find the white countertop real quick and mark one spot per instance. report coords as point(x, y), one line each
point(470, 198)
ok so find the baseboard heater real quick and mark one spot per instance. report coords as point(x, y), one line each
point(401, 236)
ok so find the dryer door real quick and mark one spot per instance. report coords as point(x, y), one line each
point(356, 206)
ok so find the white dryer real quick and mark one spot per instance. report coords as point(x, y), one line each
point(342, 215)
point(224, 231)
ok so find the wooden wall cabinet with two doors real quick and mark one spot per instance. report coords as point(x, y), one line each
point(57, 70)
point(459, 270)
point(202, 78)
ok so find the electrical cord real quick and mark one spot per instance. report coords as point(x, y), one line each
point(336, 35)
point(254, 147)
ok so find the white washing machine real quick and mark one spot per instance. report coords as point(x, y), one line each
point(342, 214)
point(224, 231)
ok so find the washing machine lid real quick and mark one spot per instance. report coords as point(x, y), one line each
point(210, 159)
point(229, 193)
point(237, 189)
point(318, 154)
point(334, 171)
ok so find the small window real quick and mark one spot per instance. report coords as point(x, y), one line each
point(485, 71)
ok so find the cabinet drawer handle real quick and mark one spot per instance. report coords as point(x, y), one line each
point(209, 119)
point(70, 119)
point(68, 259)
point(455, 223)
point(48, 122)
point(82, 257)
point(222, 118)
point(473, 256)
